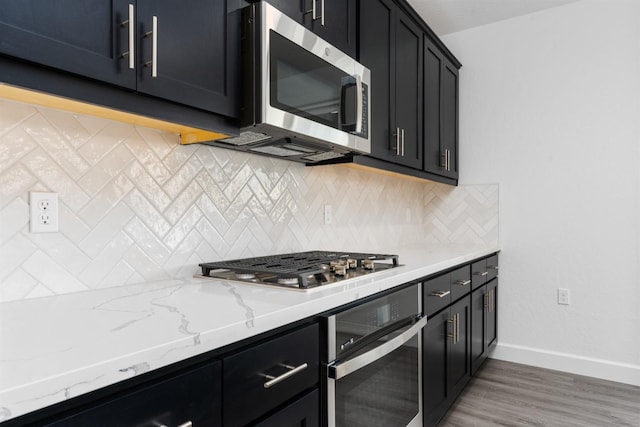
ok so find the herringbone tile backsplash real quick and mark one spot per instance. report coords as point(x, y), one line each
point(137, 206)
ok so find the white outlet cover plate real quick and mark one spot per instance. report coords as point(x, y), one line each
point(43, 220)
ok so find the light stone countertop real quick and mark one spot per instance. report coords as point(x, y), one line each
point(56, 348)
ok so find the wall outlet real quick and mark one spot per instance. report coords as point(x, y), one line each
point(563, 296)
point(327, 214)
point(43, 209)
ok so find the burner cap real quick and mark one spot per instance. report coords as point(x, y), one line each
point(288, 281)
point(245, 276)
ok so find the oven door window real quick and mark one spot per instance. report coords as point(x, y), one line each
point(305, 85)
point(382, 394)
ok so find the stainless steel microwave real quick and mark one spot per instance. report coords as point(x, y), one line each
point(303, 99)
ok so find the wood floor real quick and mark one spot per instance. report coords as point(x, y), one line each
point(509, 394)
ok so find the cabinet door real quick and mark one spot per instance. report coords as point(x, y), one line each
point(195, 54)
point(478, 329)
point(434, 367)
point(339, 26)
point(449, 144)
point(433, 66)
point(458, 369)
point(195, 396)
point(492, 313)
point(440, 113)
point(304, 412)
point(376, 35)
point(407, 115)
point(84, 37)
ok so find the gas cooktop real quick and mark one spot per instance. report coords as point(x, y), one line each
point(301, 270)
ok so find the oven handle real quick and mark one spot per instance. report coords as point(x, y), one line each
point(342, 369)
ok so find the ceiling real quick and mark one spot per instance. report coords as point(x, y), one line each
point(450, 16)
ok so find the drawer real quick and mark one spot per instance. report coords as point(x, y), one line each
point(437, 294)
point(479, 274)
point(249, 388)
point(194, 395)
point(460, 282)
point(492, 267)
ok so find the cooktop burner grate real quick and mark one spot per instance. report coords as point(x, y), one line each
point(303, 266)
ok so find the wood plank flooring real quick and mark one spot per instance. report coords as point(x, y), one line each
point(510, 394)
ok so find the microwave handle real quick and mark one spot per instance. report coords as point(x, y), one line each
point(340, 370)
point(359, 104)
point(354, 80)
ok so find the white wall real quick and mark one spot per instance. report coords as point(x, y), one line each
point(550, 111)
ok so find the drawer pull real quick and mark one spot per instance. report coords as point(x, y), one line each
point(292, 371)
point(481, 273)
point(440, 294)
point(187, 424)
point(463, 282)
point(493, 267)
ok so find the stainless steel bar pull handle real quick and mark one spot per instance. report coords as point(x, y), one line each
point(481, 273)
point(452, 335)
point(314, 11)
point(397, 147)
point(463, 282)
point(132, 42)
point(187, 424)
point(440, 294)
point(455, 328)
point(154, 47)
point(493, 267)
point(292, 371)
point(402, 142)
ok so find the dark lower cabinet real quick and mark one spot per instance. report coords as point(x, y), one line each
point(193, 396)
point(265, 376)
point(484, 322)
point(304, 412)
point(446, 354)
point(273, 382)
point(461, 328)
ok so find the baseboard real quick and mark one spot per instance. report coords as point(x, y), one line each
point(597, 368)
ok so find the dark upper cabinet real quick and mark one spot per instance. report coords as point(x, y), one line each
point(83, 37)
point(440, 113)
point(193, 47)
point(194, 52)
point(391, 47)
point(334, 20)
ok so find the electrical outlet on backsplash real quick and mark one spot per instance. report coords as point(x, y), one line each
point(135, 206)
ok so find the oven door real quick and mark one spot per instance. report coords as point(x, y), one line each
point(376, 378)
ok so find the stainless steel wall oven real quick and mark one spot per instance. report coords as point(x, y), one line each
point(374, 373)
